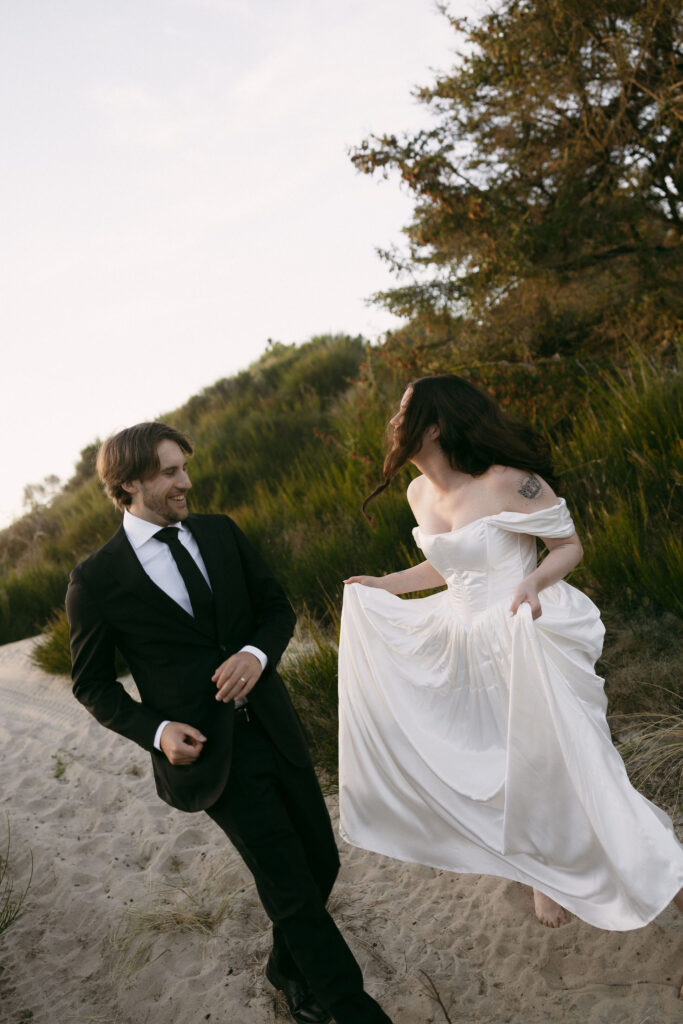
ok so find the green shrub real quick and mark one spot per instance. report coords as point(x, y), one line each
point(248, 432)
point(52, 653)
point(309, 670)
point(623, 465)
point(29, 596)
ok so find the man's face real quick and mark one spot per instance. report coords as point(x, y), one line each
point(161, 498)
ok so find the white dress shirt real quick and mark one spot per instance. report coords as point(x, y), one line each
point(156, 559)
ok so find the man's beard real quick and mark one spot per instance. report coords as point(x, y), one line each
point(165, 508)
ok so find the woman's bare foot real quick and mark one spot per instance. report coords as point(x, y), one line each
point(548, 912)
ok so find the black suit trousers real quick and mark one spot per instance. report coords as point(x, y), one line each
point(274, 814)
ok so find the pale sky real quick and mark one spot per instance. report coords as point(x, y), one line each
point(176, 189)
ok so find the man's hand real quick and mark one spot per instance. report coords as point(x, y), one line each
point(181, 743)
point(237, 676)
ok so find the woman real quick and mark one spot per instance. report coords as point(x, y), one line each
point(472, 725)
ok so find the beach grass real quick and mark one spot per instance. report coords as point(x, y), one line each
point(309, 671)
point(623, 466)
point(171, 906)
point(51, 652)
point(652, 749)
point(11, 901)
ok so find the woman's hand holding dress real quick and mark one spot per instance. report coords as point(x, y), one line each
point(564, 553)
point(526, 593)
point(368, 581)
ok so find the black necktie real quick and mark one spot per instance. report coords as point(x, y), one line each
point(198, 589)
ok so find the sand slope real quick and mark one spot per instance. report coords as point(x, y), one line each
point(139, 914)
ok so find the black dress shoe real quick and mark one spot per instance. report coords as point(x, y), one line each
point(300, 1000)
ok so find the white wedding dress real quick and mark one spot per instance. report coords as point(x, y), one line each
point(476, 741)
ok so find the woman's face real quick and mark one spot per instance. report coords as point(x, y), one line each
point(398, 417)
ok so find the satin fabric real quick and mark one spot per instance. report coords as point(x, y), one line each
point(476, 741)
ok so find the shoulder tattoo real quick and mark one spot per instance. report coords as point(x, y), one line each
point(530, 487)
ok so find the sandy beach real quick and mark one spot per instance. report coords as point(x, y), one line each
point(140, 914)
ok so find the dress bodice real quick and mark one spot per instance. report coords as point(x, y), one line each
point(484, 561)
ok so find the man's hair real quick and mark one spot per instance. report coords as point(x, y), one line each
point(132, 455)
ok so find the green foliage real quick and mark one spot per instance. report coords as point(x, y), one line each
point(547, 191)
point(248, 430)
point(62, 759)
point(38, 552)
point(548, 393)
point(253, 425)
point(313, 534)
point(28, 597)
point(623, 465)
point(51, 653)
point(310, 673)
point(616, 438)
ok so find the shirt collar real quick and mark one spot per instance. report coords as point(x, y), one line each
point(139, 531)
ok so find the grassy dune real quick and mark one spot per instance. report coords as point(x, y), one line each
point(290, 447)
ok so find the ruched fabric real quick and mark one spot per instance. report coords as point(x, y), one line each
point(476, 741)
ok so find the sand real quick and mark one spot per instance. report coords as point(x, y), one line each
point(140, 914)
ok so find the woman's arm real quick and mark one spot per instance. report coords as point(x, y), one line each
point(525, 492)
point(564, 553)
point(418, 577)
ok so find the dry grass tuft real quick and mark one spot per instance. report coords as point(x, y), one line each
point(642, 662)
point(428, 984)
point(171, 907)
point(11, 905)
point(653, 754)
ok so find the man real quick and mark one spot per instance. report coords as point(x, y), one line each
point(202, 624)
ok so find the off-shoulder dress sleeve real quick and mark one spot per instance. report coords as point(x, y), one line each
point(546, 522)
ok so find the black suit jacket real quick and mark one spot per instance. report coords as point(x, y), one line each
point(112, 603)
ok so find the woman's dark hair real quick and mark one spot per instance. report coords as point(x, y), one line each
point(132, 455)
point(474, 432)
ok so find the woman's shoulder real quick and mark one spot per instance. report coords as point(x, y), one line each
point(520, 490)
point(416, 493)
point(416, 485)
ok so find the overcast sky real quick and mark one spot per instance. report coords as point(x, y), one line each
point(177, 190)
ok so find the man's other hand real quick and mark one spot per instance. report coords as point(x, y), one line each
point(181, 743)
point(237, 676)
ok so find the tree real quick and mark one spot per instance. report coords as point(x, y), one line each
point(553, 171)
point(40, 494)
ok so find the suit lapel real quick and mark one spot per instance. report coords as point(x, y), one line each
point(130, 574)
